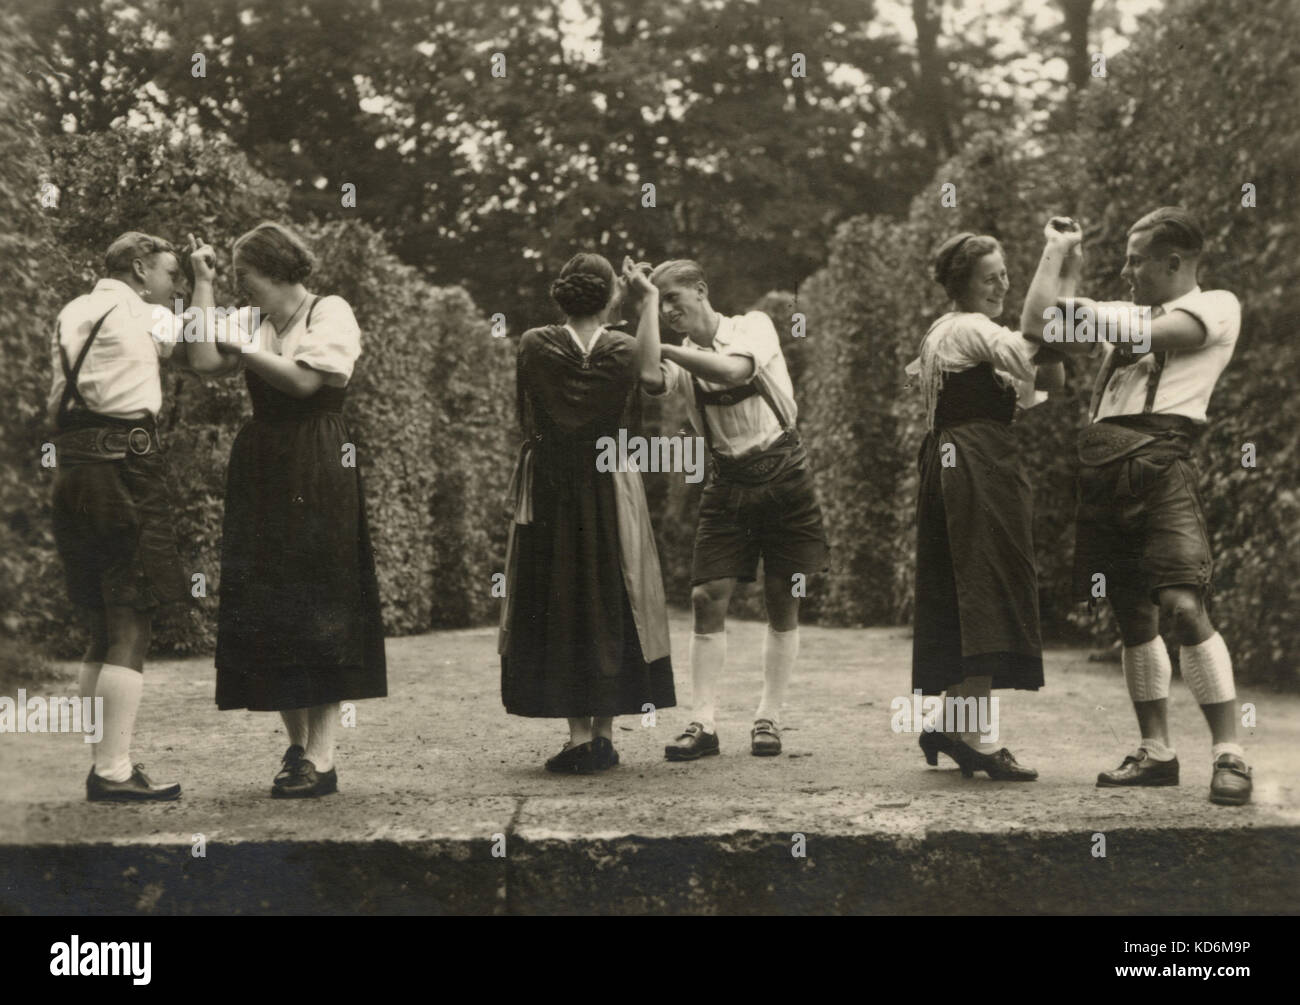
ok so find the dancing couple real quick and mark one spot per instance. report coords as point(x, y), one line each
point(1140, 525)
point(584, 628)
point(299, 628)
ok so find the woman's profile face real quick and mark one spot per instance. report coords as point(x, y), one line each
point(987, 287)
point(252, 286)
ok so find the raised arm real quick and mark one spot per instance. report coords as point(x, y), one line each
point(1051, 368)
point(648, 346)
point(202, 356)
point(1061, 235)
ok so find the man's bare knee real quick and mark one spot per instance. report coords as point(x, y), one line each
point(1185, 613)
point(129, 633)
point(709, 602)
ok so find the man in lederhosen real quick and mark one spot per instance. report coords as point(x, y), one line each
point(759, 500)
point(1141, 534)
point(112, 513)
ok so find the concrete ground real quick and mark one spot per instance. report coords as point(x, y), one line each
point(444, 806)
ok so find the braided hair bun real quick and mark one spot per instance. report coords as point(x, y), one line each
point(581, 294)
point(585, 285)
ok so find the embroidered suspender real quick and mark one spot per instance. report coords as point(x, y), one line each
point(731, 396)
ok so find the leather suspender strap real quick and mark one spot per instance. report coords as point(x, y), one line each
point(1108, 367)
point(71, 373)
point(704, 416)
point(771, 403)
point(1153, 381)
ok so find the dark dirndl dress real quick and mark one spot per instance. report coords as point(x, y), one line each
point(573, 647)
point(299, 622)
point(976, 583)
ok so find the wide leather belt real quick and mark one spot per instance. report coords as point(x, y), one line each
point(95, 444)
point(1103, 443)
point(763, 466)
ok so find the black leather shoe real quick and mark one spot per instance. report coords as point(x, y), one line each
point(571, 760)
point(692, 744)
point(603, 752)
point(1231, 783)
point(934, 744)
point(1140, 769)
point(289, 764)
point(307, 783)
point(764, 739)
point(135, 789)
point(1001, 767)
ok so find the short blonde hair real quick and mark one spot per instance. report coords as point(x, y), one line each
point(679, 270)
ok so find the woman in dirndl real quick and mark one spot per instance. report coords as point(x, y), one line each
point(976, 621)
point(584, 630)
point(299, 627)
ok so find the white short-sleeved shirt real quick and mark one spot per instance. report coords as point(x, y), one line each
point(120, 375)
point(748, 425)
point(961, 340)
point(1190, 374)
point(332, 345)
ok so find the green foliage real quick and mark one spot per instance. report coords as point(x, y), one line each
point(27, 255)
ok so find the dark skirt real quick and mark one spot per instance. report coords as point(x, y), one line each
point(976, 583)
point(573, 646)
point(299, 621)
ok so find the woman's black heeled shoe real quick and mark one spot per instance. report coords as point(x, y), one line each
point(1001, 767)
point(934, 744)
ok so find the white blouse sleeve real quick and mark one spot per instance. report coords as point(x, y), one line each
point(977, 338)
point(333, 341)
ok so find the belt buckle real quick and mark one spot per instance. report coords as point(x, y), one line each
point(132, 440)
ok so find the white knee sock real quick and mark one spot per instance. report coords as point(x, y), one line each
point(323, 723)
point(780, 650)
point(1207, 669)
point(1147, 670)
point(708, 660)
point(295, 724)
point(120, 687)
